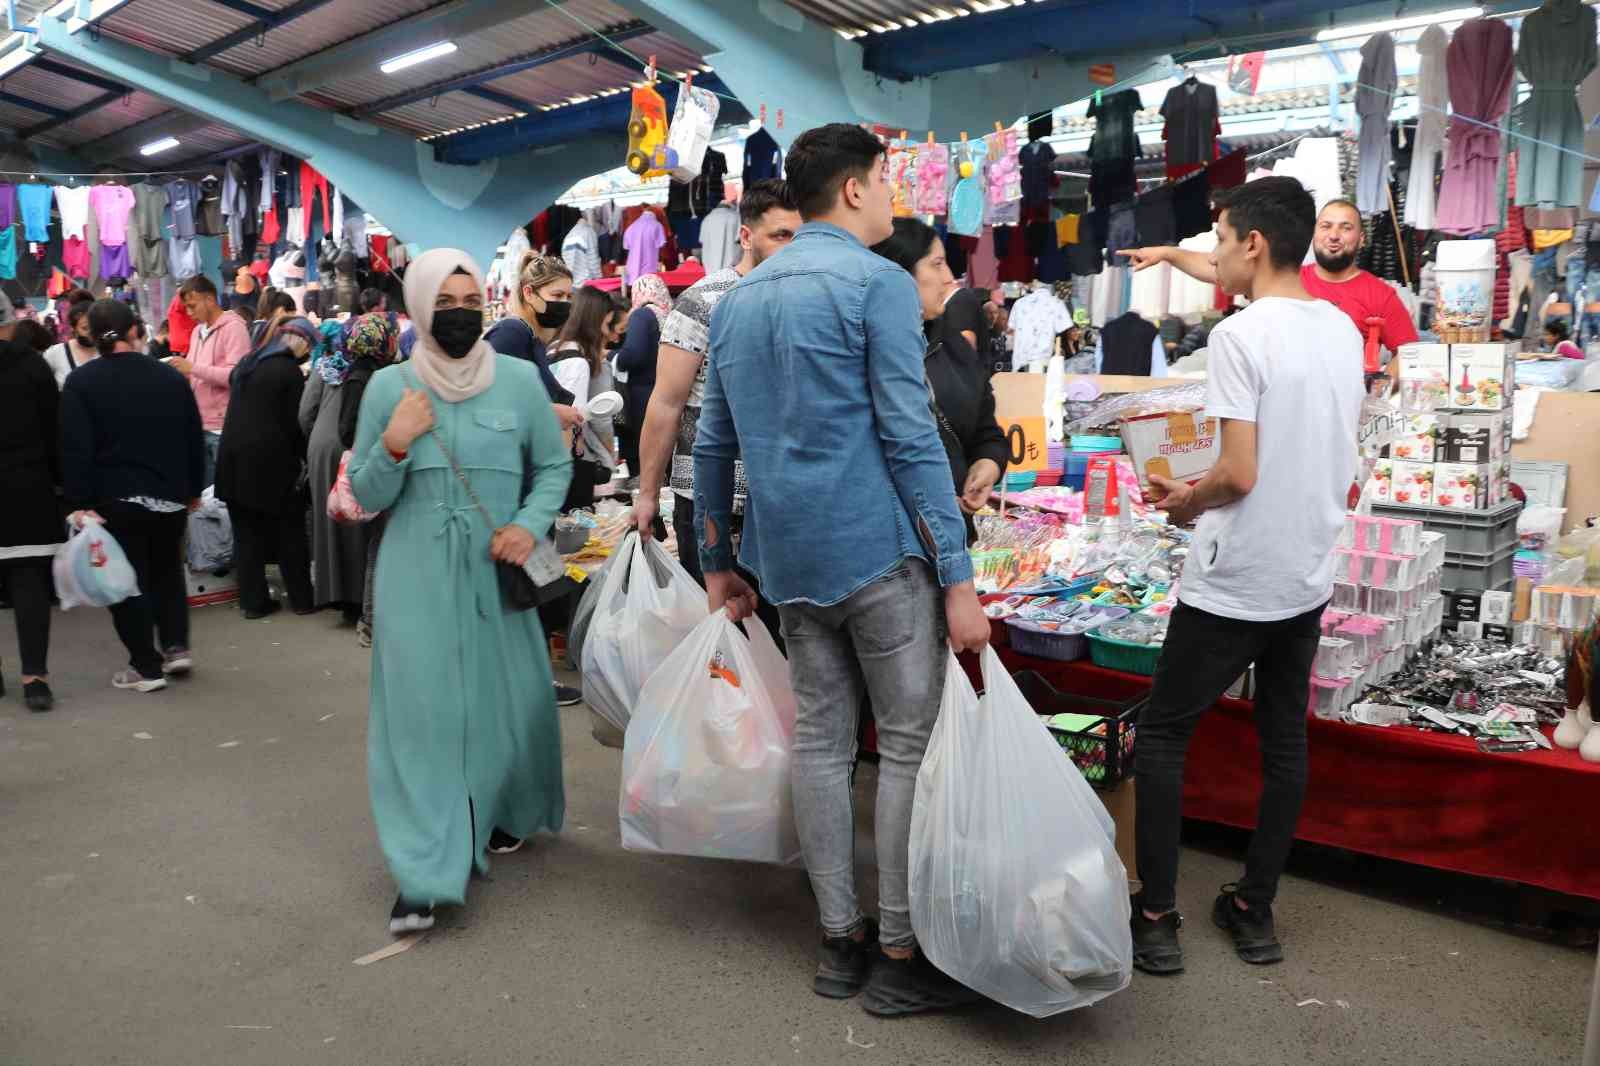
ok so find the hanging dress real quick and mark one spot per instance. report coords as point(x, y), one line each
point(1433, 102)
point(1480, 70)
point(1555, 52)
point(1375, 86)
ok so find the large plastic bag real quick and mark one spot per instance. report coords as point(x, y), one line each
point(1016, 888)
point(91, 569)
point(705, 768)
point(646, 606)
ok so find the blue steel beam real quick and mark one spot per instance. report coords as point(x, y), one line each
point(32, 105)
point(66, 117)
point(607, 115)
point(1075, 29)
point(502, 70)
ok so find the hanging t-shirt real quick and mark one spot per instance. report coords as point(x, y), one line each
point(34, 202)
point(1038, 161)
point(1036, 320)
point(112, 205)
point(763, 158)
point(183, 197)
point(73, 203)
point(1114, 139)
point(1269, 555)
point(643, 240)
point(1192, 127)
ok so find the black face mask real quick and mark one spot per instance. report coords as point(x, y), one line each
point(457, 330)
point(555, 314)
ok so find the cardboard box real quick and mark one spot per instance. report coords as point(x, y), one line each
point(1419, 441)
point(1120, 804)
point(1463, 443)
point(1502, 634)
point(1483, 375)
point(1424, 376)
point(1181, 445)
point(1491, 428)
point(1461, 486)
point(1412, 483)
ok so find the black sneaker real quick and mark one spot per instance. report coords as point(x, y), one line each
point(1156, 949)
point(1254, 937)
point(503, 843)
point(37, 695)
point(272, 608)
point(568, 697)
point(911, 986)
point(410, 917)
point(843, 962)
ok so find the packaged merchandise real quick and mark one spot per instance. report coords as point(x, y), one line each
point(1418, 440)
point(1177, 445)
point(1424, 376)
point(1482, 375)
point(1461, 486)
point(1412, 483)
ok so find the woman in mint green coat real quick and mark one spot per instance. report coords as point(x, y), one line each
point(464, 746)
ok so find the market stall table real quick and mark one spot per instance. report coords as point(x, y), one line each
point(1398, 793)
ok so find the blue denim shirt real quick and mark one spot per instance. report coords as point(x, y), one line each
point(816, 380)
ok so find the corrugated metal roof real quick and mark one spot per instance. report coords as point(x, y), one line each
point(450, 112)
point(311, 33)
point(559, 82)
point(854, 18)
point(48, 88)
point(111, 119)
point(172, 27)
point(537, 32)
point(198, 144)
point(13, 117)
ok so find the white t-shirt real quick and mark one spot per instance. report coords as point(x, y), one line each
point(1293, 367)
point(1036, 319)
point(73, 202)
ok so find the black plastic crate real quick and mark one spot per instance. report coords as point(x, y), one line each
point(1102, 752)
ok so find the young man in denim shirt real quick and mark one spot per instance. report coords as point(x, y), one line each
point(816, 381)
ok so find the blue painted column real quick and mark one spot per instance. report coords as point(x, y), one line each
point(770, 54)
point(392, 176)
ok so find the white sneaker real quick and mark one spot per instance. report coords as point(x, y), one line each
point(138, 682)
point(176, 661)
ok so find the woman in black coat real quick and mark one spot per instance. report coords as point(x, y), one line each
point(962, 398)
point(30, 522)
point(260, 466)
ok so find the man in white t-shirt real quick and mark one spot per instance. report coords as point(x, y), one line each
point(1284, 378)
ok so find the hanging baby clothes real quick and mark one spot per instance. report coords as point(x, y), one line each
point(1555, 52)
point(933, 172)
point(1480, 72)
point(1375, 86)
point(1433, 98)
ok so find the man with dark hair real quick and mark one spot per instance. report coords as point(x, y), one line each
point(816, 378)
point(1284, 378)
point(372, 300)
point(767, 221)
point(220, 341)
point(1371, 302)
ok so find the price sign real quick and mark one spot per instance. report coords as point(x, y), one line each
point(1026, 443)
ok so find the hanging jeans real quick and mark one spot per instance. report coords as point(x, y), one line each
point(310, 182)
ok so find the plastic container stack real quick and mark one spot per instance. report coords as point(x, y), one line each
point(1387, 604)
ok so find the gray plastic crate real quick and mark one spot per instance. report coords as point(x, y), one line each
point(1465, 532)
point(1470, 572)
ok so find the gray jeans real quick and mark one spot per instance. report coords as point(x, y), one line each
point(887, 640)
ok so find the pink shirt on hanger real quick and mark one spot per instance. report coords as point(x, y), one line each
point(111, 205)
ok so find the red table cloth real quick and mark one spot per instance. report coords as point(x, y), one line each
point(1399, 793)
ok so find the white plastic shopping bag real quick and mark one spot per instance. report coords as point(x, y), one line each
point(690, 133)
point(1016, 888)
point(91, 569)
point(705, 769)
point(645, 607)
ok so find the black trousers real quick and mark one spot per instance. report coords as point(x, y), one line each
point(153, 543)
point(259, 536)
point(689, 559)
point(1204, 654)
point(28, 585)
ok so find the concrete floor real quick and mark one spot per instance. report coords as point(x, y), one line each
point(200, 896)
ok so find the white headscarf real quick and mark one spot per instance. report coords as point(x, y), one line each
point(451, 380)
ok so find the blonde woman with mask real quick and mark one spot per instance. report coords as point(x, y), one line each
point(540, 307)
point(463, 746)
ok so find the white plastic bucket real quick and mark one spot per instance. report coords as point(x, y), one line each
point(1465, 271)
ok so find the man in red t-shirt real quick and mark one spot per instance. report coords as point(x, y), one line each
point(1370, 302)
